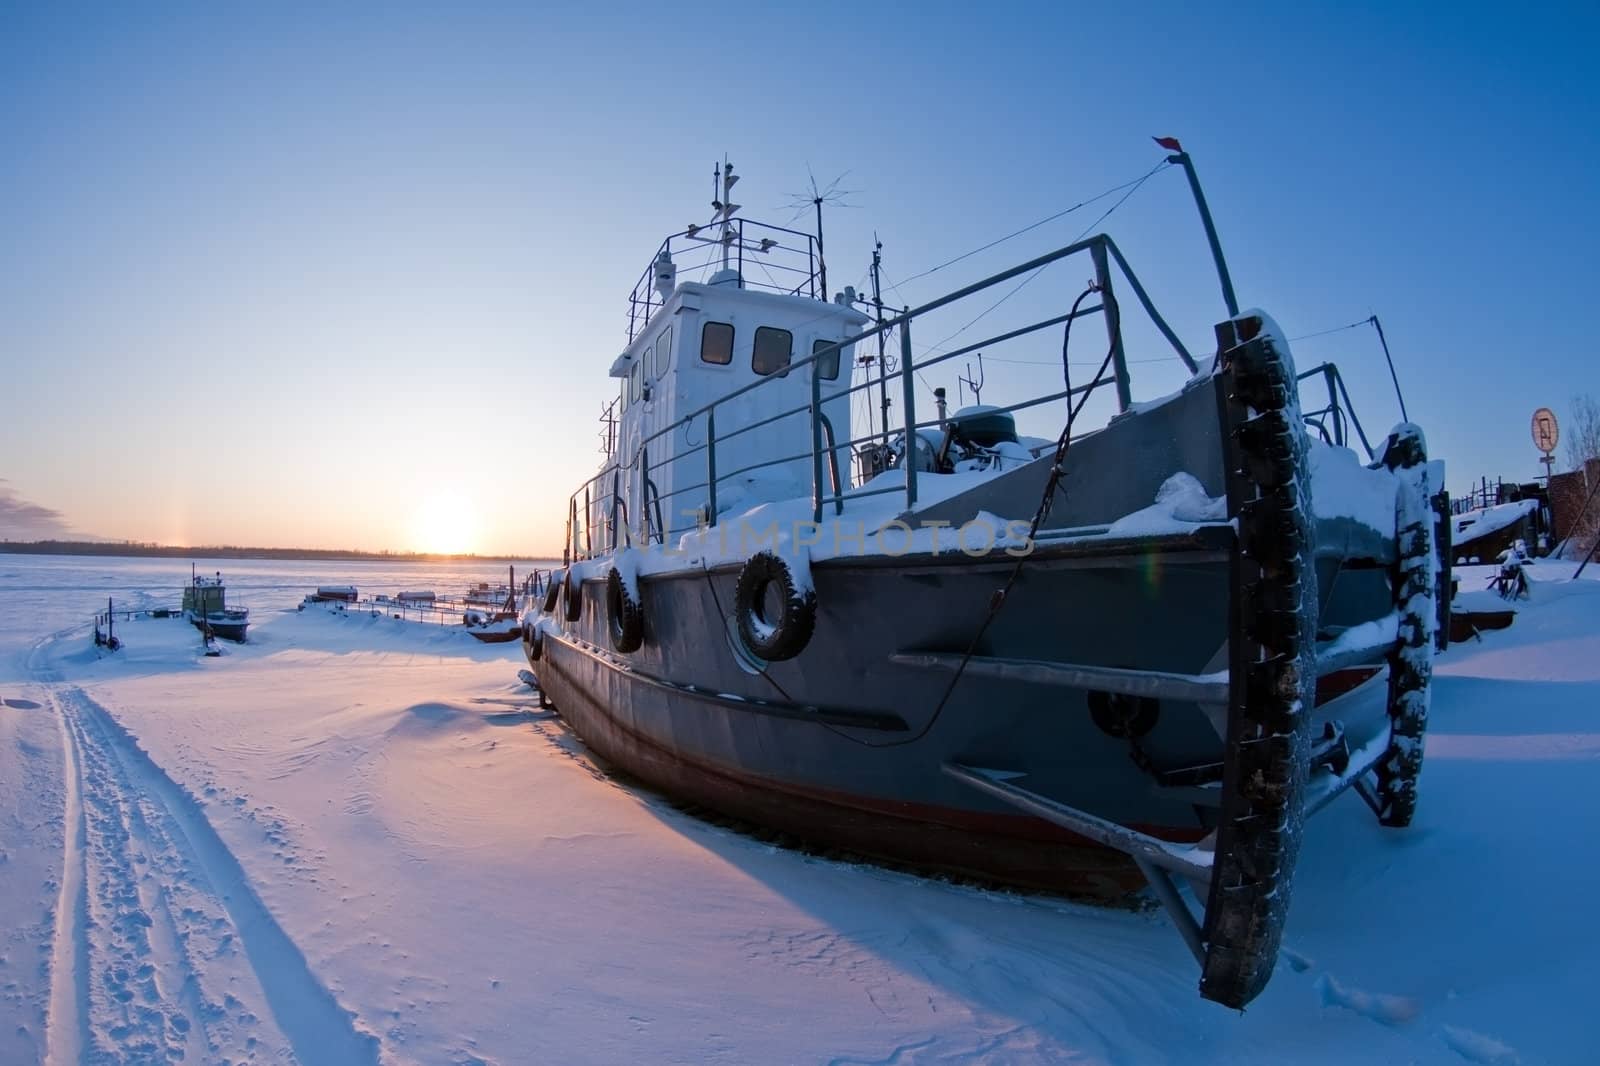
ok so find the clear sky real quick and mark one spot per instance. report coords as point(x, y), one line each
point(352, 275)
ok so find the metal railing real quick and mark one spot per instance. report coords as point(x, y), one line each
point(1333, 421)
point(602, 495)
point(776, 252)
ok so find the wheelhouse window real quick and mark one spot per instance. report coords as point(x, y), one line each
point(716, 343)
point(827, 365)
point(663, 352)
point(635, 376)
point(772, 351)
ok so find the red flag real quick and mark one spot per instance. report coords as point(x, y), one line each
point(1169, 143)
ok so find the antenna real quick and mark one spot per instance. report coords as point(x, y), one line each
point(877, 312)
point(814, 198)
point(976, 385)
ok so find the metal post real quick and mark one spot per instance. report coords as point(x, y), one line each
point(816, 444)
point(1328, 373)
point(877, 307)
point(909, 460)
point(1392, 375)
point(822, 262)
point(1183, 160)
point(644, 495)
point(1108, 301)
point(711, 466)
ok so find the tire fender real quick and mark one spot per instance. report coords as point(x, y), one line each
point(624, 614)
point(785, 636)
point(572, 594)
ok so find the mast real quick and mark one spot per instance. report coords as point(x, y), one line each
point(877, 310)
point(822, 262)
point(724, 207)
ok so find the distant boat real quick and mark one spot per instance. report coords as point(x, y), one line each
point(491, 615)
point(1482, 535)
point(205, 606)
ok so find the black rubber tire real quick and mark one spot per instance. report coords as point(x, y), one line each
point(787, 635)
point(553, 591)
point(532, 642)
point(572, 593)
point(624, 614)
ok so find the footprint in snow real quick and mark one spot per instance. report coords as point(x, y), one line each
point(1378, 1006)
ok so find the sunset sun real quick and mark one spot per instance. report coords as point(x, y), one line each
point(444, 524)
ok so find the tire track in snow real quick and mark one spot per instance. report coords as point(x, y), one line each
point(317, 1028)
point(67, 1027)
point(130, 1003)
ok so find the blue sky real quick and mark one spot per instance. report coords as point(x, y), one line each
point(280, 275)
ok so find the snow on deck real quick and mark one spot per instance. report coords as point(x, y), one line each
point(356, 839)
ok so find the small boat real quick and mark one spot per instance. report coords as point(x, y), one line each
point(333, 594)
point(1136, 652)
point(205, 605)
point(491, 615)
point(1482, 535)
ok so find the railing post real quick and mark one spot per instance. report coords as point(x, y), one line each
point(616, 501)
point(1328, 374)
point(711, 466)
point(1108, 304)
point(644, 494)
point(816, 444)
point(909, 460)
point(588, 521)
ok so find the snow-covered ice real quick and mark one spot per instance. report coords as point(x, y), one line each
point(355, 840)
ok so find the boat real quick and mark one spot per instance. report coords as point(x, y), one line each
point(1131, 654)
point(1485, 533)
point(205, 606)
point(491, 614)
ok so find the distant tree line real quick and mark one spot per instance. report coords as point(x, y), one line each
point(219, 551)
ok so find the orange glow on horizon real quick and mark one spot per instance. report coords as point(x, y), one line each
point(444, 524)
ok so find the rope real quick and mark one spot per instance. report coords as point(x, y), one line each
point(1041, 513)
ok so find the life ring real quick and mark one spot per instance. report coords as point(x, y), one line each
point(782, 637)
point(572, 592)
point(552, 592)
point(624, 614)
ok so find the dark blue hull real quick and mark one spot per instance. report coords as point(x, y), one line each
point(845, 744)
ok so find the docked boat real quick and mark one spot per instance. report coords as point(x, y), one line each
point(1139, 652)
point(205, 606)
point(491, 615)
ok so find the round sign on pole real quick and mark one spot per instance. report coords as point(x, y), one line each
point(1546, 430)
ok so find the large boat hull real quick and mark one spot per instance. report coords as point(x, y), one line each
point(858, 764)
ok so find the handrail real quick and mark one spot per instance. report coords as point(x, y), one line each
point(643, 300)
point(827, 484)
point(1339, 406)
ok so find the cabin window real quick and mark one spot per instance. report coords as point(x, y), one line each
point(772, 350)
point(635, 376)
point(663, 352)
point(716, 343)
point(827, 365)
